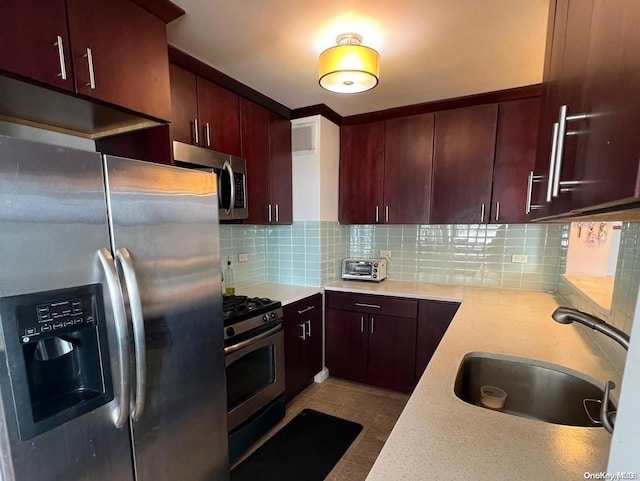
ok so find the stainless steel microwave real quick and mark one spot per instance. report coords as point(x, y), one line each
point(231, 172)
point(364, 269)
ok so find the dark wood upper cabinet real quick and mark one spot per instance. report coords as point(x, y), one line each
point(515, 160)
point(280, 171)
point(184, 104)
point(266, 144)
point(119, 55)
point(408, 149)
point(464, 148)
point(219, 114)
point(361, 173)
point(34, 41)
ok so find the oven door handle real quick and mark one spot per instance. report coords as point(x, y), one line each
point(253, 340)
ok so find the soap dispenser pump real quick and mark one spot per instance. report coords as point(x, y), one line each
point(229, 281)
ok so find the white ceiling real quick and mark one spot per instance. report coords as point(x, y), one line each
point(430, 49)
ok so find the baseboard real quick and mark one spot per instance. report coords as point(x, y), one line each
point(321, 376)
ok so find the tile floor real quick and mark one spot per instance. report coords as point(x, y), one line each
point(376, 409)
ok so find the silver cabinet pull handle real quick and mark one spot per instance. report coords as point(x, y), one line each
point(361, 323)
point(139, 338)
point(562, 127)
point(306, 309)
point(269, 214)
point(372, 321)
point(121, 411)
point(63, 65)
point(304, 336)
point(92, 78)
point(207, 131)
point(361, 304)
point(377, 213)
point(482, 213)
point(277, 213)
point(196, 131)
point(552, 161)
point(497, 210)
point(386, 213)
point(530, 180)
point(308, 323)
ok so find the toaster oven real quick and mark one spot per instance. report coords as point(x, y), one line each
point(373, 270)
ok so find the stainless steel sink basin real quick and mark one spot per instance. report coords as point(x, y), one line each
point(534, 390)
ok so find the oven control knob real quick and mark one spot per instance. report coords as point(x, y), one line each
point(265, 318)
point(231, 331)
point(273, 315)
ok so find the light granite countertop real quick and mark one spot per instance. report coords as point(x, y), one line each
point(438, 436)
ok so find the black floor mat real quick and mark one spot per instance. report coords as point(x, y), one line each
point(306, 449)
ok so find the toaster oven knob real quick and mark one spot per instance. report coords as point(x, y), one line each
point(231, 331)
point(375, 276)
point(265, 318)
point(375, 264)
point(375, 270)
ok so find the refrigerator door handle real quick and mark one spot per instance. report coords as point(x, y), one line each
point(139, 343)
point(121, 412)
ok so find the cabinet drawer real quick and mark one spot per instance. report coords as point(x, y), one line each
point(370, 304)
point(304, 308)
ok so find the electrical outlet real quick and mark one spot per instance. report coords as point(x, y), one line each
point(385, 254)
point(520, 258)
point(243, 257)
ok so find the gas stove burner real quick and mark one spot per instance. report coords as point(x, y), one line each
point(237, 308)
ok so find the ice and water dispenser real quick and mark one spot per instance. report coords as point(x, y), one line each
point(57, 353)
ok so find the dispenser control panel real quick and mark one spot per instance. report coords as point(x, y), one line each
point(54, 317)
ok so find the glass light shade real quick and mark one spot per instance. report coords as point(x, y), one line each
point(349, 69)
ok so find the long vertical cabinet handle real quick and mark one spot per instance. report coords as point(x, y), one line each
point(562, 129)
point(482, 209)
point(207, 131)
point(372, 321)
point(386, 213)
point(497, 211)
point(92, 77)
point(377, 213)
point(277, 213)
point(121, 411)
point(304, 332)
point(308, 323)
point(196, 131)
point(139, 342)
point(530, 180)
point(552, 161)
point(361, 323)
point(269, 214)
point(63, 65)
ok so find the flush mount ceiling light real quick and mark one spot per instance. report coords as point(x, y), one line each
point(349, 67)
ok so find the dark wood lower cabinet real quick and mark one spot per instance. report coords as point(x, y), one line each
point(433, 321)
point(383, 350)
point(302, 343)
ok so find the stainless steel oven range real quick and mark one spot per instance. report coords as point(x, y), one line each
point(254, 359)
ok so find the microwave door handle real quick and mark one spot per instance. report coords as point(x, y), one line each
point(139, 342)
point(232, 186)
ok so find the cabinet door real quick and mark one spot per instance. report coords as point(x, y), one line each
point(294, 352)
point(611, 144)
point(392, 352)
point(128, 65)
point(433, 321)
point(515, 159)
point(280, 172)
point(219, 115)
point(463, 164)
point(31, 30)
point(346, 344)
point(408, 158)
point(184, 105)
point(361, 173)
point(254, 123)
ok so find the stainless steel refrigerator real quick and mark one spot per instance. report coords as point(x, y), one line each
point(111, 346)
